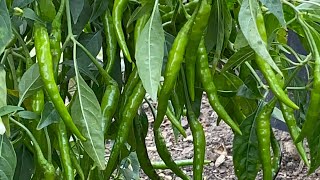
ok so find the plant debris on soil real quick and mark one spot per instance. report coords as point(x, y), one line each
point(219, 149)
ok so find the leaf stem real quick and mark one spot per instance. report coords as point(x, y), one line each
point(4, 57)
point(33, 139)
point(108, 79)
point(70, 34)
point(254, 73)
point(48, 144)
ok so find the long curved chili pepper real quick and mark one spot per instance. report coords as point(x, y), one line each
point(172, 71)
point(294, 130)
point(119, 7)
point(142, 153)
point(202, 66)
point(42, 46)
point(127, 116)
point(55, 37)
point(263, 128)
point(268, 72)
point(166, 156)
point(111, 40)
point(199, 25)
point(199, 140)
point(313, 112)
point(109, 105)
point(277, 156)
point(175, 59)
point(64, 148)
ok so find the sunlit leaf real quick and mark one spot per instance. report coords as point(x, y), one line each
point(150, 52)
point(86, 114)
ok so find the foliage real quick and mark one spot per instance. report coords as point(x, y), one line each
point(74, 75)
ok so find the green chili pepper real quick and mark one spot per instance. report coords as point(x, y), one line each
point(190, 7)
point(199, 25)
point(117, 13)
point(175, 59)
point(263, 134)
point(313, 112)
point(76, 164)
point(177, 102)
point(46, 168)
point(64, 149)
point(37, 104)
point(294, 130)
point(205, 76)
point(172, 71)
point(199, 140)
point(175, 122)
point(165, 154)
point(42, 46)
point(268, 72)
point(277, 156)
point(109, 105)
point(55, 37)
point(111, 40)
point(132, 81)
point(142, 153)
point(129, 112)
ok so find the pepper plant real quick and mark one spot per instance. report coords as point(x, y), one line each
point(75, 73)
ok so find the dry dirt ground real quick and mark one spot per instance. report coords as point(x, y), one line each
point(219, 150)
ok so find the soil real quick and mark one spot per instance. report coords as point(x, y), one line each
point(219, 149)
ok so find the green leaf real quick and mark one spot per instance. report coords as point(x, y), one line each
point(28, 115)
point(86, 113)
point(5, 26)
point(243, 55)
point(140, 11)
point(8, 159)
point(309, 5)
point(30, 14)
point(4, 110)
point(247, 20)
point(245, 150)
point(92, 42)
point(277, 113)
point(240, 41)
point(83, 68)
point(149, 53)
point(246, 92)
point(99, 7)
point(227, 84)
point(25, 163)
point(76, 7)
point(215, 30)
point(21, 3)
point(131, 167)
point(82, 19)
point(49, 115)
point(30, 82)
point(275, 7)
